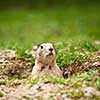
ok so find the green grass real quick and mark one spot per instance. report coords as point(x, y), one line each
point(25, 28)
point(51, 79)
point(69, 52)
point(73, 30)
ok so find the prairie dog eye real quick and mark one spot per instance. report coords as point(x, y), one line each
point(41, 47)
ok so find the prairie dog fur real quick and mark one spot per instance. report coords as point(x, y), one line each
point(45, 62)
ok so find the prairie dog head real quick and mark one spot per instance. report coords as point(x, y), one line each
point(45, 54)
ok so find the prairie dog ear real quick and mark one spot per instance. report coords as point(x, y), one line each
point(35, 47)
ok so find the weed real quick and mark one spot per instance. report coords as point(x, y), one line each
point(76, 93)
point(33, 81)
point(51, 79)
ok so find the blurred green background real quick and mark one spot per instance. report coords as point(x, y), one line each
point(24, 23)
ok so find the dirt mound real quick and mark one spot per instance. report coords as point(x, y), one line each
point(12, 67)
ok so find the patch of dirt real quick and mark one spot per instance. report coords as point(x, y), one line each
point(16, 68)
point(13, 67)
point(46, 91)
point(40, 91)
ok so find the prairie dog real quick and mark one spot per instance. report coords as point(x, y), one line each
point(45, 62)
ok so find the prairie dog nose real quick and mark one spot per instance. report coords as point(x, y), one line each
point(51, 49)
